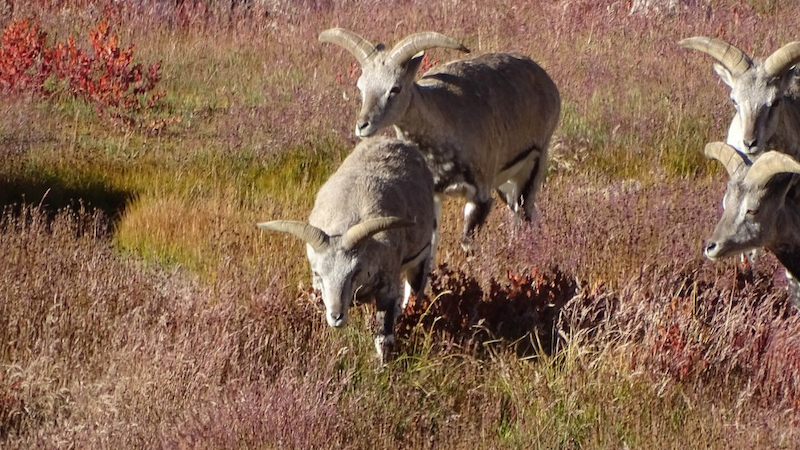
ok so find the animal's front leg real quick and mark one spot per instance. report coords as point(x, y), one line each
point(794, 290)
point(532, 186)
point(475, 213)
point(437, 210)
point(388, 308)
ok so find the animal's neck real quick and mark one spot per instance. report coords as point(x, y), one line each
point(788, 253)
point(416, 122)
point(789, 256)
point(787, 132)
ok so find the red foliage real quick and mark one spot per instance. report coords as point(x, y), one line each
point(427, 64)
point(107, 78)
point(521, 312)
point(21, 50)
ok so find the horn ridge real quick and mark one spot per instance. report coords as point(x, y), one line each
point(312, 235)
point(734, 59)
point(418, 42)
point(353, 43)
point(727, 155)
point(783, 58)
point(368, 228)
point(768, 165)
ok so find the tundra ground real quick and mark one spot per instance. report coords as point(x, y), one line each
point(140, 307)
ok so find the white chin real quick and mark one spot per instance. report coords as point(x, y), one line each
point(336, 323)
point(365, 133)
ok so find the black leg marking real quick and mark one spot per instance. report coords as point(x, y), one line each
point(506, 198)
point(527, 197)
point(475, 220)
point(419, 278)
point(385, 317)
point(521, 156)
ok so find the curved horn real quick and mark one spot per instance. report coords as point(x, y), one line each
point(768, 165)
point(735, 60)
point(353, 43)
point(312, 235)
point(783, 58)
point(418, 42)
point(365, 230)
point(727, 155)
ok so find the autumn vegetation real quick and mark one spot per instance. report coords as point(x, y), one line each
point(140, 307)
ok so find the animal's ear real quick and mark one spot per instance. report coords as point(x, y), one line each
point(793, 193)
point(724, 74)
point(789, 187)
point(790, 83)
point(412, 65)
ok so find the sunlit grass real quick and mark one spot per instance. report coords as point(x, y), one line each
point(188, 324)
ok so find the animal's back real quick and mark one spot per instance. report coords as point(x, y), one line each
point(512, 89)
point(381, 177)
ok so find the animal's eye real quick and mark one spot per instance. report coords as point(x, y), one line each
point(752, 212)
point(395, 90)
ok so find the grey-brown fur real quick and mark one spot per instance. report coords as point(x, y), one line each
point(766, 93)
point(762, 209)
point(385, 181)
point(482, 124)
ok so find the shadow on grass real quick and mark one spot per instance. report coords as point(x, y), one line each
point(53, 197)
point(531, 313)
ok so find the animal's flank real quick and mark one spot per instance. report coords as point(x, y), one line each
point(522, 156)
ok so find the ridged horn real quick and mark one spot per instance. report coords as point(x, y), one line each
point(312, 235)
point(768, 165)
point(736, 61)
point(727, 155)
point(783, 58)
point(365, 230)
point(353, 43)
point(418, 42)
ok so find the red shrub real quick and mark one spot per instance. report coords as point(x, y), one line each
point(21, 50)
point(106, 78)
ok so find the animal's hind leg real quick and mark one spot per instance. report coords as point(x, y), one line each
point(416, 279)
point(509, 194)
point(475, 213)
point(532, 185)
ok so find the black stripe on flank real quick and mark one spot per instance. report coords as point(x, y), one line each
point(408, 260)
point(526, 190)
point(520, 157)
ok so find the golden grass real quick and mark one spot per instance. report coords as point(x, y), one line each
point(140, 307)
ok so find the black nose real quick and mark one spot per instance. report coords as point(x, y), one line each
point(363, 125)
point(751, 144)
point(710, 246)
point(336, 316)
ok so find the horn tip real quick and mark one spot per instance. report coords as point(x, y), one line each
point(325, 36)
point(690, 42)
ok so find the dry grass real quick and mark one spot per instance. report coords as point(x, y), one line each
point(141, 308)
